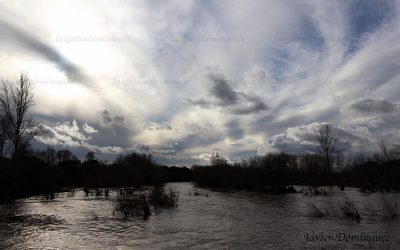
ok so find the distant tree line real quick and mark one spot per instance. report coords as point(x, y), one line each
point(275, 171)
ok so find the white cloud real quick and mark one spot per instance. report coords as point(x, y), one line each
point(72, 136)
point(88, 129)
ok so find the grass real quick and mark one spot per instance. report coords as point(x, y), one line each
point(132, 203)
point(318, 212)
point(390, 209)
point(161, 199)
point(313, 191)
point(349, 209)
point(345, 208)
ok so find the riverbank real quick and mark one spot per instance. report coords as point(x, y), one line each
point(29, 176)
point(369, 177)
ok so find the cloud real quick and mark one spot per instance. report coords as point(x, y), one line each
point(158, 126)
point(16, 35)
point(160, 151)
point(111, 122)
point(203, 156)
point(88, 129)
point(81, 137)
point(222, 91)
point(200, 103)
point(227, 98)
point(368, 106)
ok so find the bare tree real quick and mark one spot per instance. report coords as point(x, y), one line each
point(4, 130)
point(48, 156)
point(218, 160)
point(312, 163)
point(340, 160)
point(384, 149)
point(395, 152)
point(363, 156)
point(63, 155)
point(15, 101)
point(327, 143)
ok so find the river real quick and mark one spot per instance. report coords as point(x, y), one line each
point(203, 219)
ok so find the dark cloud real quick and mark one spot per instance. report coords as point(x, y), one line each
point(112, 130)
point(366, 106)
point(143, 148)
point(160, 151)
point(199, 139)
point(17, 35)
point(119, 119)
point(200, 103)
point(228, 98)
point(222, 90)
point(158, 126)
point(233, 130)
point(254, 105)
point(108, 121)
point(106, 116)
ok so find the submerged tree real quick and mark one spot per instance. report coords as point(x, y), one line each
point(15, 101)
point(327, 143)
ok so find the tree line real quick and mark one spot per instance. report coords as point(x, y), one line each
point(274, 172)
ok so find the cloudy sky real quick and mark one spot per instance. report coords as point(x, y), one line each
point(182, 79)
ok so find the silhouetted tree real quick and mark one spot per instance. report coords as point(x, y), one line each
point(15, 101)
point(281, 162)
point(363, 156)
point(65, 155)
point(218, 160)
point(327, 143)
point(340, 160)
point(134, 160)
point(48, 156)
point(384, 149)
point(395, 152)
point(90, 156)
point(312, 163)
point(4, 132)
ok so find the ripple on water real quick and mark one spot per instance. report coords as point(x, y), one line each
point(218, 220)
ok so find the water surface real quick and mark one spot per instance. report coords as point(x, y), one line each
point(203, 219)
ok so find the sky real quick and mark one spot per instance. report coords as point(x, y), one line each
point(183, 79)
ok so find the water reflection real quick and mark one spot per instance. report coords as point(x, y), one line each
point(202, 219)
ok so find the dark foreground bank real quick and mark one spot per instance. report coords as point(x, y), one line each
point(30, 175)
